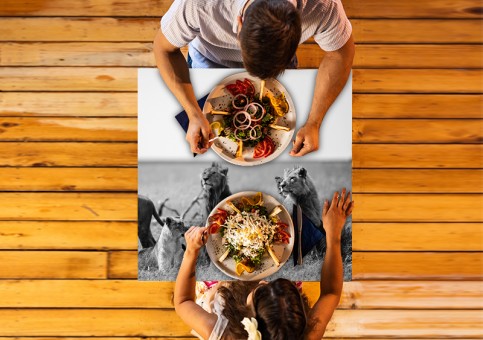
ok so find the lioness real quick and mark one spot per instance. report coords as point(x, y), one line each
point(146, 211)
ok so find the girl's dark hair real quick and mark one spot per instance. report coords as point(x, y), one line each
point(280, 309)
point(269, 37)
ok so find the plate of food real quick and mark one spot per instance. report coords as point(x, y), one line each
point(251, 236)
point(253, 120)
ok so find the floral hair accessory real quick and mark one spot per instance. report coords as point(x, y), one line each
point(251, 326)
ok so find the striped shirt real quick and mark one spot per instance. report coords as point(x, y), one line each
point(210, 28)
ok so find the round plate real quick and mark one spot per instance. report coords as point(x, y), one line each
point(215, 248)
point(219, 99)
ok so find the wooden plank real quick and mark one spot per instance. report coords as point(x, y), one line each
point(63, 235)
point(391, 56)
point(68, 79)
point(416, 266)
point(366, 265)
point(416, 106)
point(418, 208)
point(354, 8)
point(417, 181)
point(39, 154)
point(68, 206)
point(58, 104)
point(453, 131)
point(125, 79)
point(123, 265)
point(310, 55)
point(417, 81)
point(147, 322)
point(416, 31)
point(151, 294)
point(144, 29)
point(52, 265)
point(68, 129)
point(427, 236)
point(416, 156)
point(68, 179)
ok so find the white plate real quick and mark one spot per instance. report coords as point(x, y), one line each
point(219, 99)
point(267, 267)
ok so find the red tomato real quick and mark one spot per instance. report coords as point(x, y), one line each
point(233, 89)
point(259, 150)
point(213, 228)
point(250, 87)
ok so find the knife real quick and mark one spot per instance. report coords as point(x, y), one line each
point(299, 225)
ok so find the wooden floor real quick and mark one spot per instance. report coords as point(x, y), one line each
point(68, 174)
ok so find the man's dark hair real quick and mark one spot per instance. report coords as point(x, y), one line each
point(269, 37)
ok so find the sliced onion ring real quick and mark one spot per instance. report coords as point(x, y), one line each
point(240, 95)
point(253, 132)
point(242, 120)
point(252, 110)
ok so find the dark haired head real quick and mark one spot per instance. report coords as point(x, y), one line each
point(269, 37)
point(280, 310)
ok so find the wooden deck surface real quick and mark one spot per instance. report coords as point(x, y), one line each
point(68, 171)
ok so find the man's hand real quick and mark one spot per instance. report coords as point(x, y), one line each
point(306, 141)
point(199, 133)
point(335, 215)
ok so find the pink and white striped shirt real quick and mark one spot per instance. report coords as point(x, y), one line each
point(210, 28)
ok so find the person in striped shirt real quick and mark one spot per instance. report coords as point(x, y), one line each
point(261, 36)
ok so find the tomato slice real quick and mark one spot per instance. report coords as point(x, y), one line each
point(213, 228)
point(250, 87)
point(260, 149)
point(233, 89)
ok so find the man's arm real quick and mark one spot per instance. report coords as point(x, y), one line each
point(174, 70)
point(331, 276)
point(331, 78)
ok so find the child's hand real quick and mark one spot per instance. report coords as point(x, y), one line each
point(334, 216)
point(196, 238)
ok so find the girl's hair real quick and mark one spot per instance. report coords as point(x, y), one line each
point(280, 309)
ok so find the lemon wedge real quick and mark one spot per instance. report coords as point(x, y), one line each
point(217, 127)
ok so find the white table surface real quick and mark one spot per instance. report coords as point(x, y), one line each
point(160, 137)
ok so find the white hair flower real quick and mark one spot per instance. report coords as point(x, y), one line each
point(251, 326)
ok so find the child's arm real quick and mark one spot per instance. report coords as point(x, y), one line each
point(331, 277)
point(184, 292)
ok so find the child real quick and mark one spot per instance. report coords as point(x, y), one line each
point(264, 310)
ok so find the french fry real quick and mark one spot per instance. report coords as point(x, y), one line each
point(224, 256)
point(217, 112)
point(239, 150)
point(279, 127)
point(262, 87)
point(272, 255)
point(277, 210)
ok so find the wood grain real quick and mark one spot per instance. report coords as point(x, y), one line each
point(416, 156)
point(125, 79)
point(68, 79)
point(69, 129)
point(310, 55)
point(452, 131)
point(417, 81)
point(401, 56)
point(68, 179)
point(146, 322)
point(417, 181)
point(144, 29)
point(366, 265)
point(39, 154)
point(58, 104)
point(416, 106)
point(150, 294)
point(71, 235)
point(419, 266)
point(68, 206)
point(417, 236)
point(354, 8)
point(52, 265)
point(418, 208)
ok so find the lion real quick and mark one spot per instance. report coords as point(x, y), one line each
point(297, 187)
point(146, 211)
point(214, 189)
point(168, 250)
